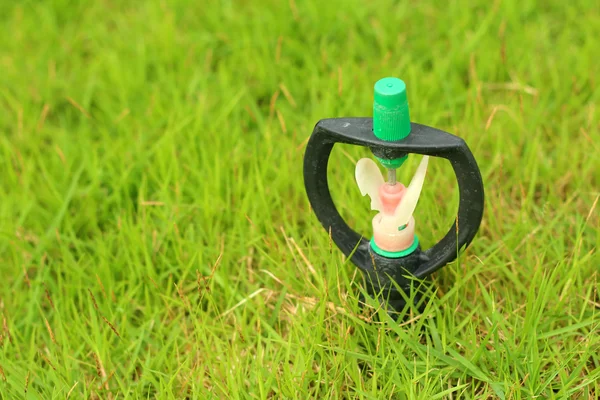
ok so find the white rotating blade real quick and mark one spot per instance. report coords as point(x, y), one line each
point(409, 201)
point(369, 179)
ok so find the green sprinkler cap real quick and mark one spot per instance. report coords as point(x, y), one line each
point(391, 120)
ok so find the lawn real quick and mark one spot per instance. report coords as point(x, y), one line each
point(156, 240)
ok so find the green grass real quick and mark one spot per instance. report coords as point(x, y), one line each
point(156, 240)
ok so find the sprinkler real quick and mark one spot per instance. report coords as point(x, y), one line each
point(391, 257)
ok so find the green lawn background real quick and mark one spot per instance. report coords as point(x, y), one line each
point(156, 240)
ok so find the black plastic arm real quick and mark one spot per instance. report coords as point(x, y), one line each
point(422, 140)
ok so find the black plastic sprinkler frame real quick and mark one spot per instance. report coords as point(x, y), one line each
point(393, 256)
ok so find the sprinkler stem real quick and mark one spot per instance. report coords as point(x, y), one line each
point(391, 173)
